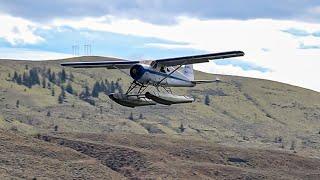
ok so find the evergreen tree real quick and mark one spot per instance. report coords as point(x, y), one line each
point(56, 127)
point(63, 76)
point(96, 89)
point(49, 85)
point(44, 83)
point(58, 82)
point(27, 81)
point(207, 100)
point(48, 113)
point(102, 87)
point(19, 79)
point(182, 128)
point(33, 77)
point(141, 116)
point(107, 85)
point(53, 92)
point(60, 99)
point(130, 116)
point(86, 92)
point(118, 87)
point(18, 104)
point(112, 87)
point(49, 75)
point(53, 77)
point(15, 76)
point(63, 92)
point(69, 88)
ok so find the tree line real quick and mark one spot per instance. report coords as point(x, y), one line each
point(47, 78)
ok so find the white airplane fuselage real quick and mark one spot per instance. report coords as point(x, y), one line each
point(147, 75)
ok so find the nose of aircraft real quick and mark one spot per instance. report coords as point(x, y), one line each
point(137, 71)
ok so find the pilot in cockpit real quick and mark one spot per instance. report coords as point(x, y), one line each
point(162, 69)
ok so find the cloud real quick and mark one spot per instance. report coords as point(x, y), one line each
point(297, 32)
point(162, 11)
point(301, 32)
point(263, 41)
point(244, 65)
point(30, 54)
point(303, 46)
point(271, 53)
point(18, 31)
point(314, 10)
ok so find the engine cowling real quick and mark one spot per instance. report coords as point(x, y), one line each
point(137, 71)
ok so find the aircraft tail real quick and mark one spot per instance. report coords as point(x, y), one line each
point(188, 72)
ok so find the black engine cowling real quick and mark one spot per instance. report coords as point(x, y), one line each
point(137, 71)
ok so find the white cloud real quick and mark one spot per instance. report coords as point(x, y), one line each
point(18, 31)
point(314, 10)
point(29, 54)
point(287, 62)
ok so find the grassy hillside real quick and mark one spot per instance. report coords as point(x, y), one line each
point(253, 116)
point(162, 157)
point(246, 110)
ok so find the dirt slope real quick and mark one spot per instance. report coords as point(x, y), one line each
point(26, 158)
point(146, 156)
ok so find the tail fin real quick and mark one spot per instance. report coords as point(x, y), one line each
point(188, 72)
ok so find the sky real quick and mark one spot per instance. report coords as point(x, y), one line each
point(281, 39)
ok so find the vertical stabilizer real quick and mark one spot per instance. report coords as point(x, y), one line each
point(188, 72)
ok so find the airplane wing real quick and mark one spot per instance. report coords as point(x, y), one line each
point(196, 59)
point(102, 64)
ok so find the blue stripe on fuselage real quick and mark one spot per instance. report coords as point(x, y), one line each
point(165, 75)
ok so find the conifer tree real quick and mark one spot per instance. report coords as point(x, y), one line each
point(130, 116)
point(63, 92)
point(112, 87)
point(63, 76)
point(15, 76)
point(19, 79)
point(60, 99)
point(69, 88)
point(53, 92)
point(18, 104)
point(44, 83)
point(207, 100)
point(96, 89)
point(53, 77)
point(56, 127)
